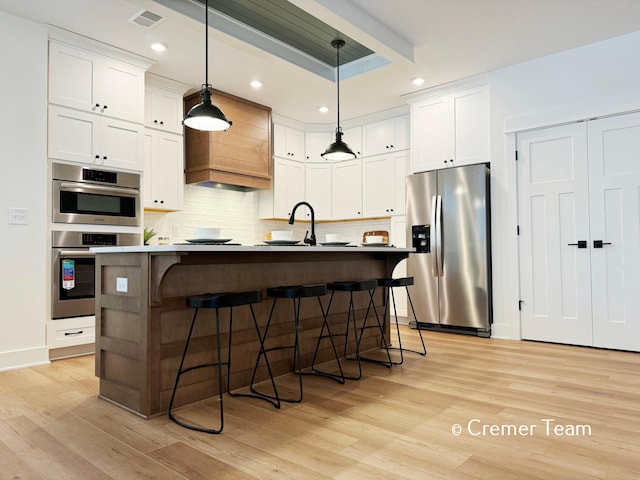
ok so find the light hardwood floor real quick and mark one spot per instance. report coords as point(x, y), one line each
point(394, 423)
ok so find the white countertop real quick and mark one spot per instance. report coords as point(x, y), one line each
point(246, 248)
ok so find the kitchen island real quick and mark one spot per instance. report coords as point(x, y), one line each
point(142, 321)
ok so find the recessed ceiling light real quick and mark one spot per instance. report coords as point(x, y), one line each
point(256, 83)
point(418, 81)
point(158, 46)
point(323, 109)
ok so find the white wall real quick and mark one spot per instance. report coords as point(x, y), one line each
point(23, 184)
point(598, 79)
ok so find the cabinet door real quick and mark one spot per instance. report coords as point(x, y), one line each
point(346, 191)
point(469, 111)
point(318, 189)
point(430, 134)
point(401, 164)
point(295, 144)
point(353, 138)
point(288, 188)
point(73, 135)
point(121, 145)
point(72, 74)
point(163, 110)
point(386, 136)
point(288, 143)
point(163, 171)
point(280, 148)
point(121, 90)
point(315, 145)
point(378, 186)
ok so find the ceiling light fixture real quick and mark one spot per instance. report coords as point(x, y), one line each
point(323, 109)
point(256, 83)
point(206, 116)
point(158, 46)
point(338, 150)
point(418, 81)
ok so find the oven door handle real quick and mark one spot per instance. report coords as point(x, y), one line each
point(132, 192)
point(75, 253)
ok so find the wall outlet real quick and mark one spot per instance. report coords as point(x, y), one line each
point(122, 284)
point(18, 216)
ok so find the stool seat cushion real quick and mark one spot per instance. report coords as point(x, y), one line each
point(297, 291)
point(356, 286)
point(226, 299)
point(395, 282)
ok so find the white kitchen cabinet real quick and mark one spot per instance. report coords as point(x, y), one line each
point(287, 189)
point(93, 139)
point(90, 82)
point(383, 178)
point(163, 170)
point(163, 109)
point(386, 136)
point(353, 138)
point(288, 143)
point(315, 144)
point(346, 190)
point(318, 189)
point(450, 130)
point(70, 332)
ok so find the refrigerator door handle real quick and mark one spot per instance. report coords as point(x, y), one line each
point(434, 239)
point(438, 226)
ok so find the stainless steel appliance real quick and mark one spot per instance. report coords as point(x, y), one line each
point(448, 222)
point(100, 197)
point(73, 269)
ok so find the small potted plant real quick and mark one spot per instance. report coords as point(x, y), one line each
point(149, 233)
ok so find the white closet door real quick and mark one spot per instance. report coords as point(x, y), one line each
point(553, 196)
point(614, 177)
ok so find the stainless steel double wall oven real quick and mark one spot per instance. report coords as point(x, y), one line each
point(84, 196)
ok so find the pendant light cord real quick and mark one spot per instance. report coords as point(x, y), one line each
point(338, 81)
point(206, 43)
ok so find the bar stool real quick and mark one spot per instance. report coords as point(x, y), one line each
point(296, 293)
point(351, 287)
point(218, 301)
point(389, 284)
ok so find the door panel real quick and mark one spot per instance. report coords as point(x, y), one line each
point(614, 176)
point(553, 197)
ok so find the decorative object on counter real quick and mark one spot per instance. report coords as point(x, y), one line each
point(312, 239)
point(206, 116)
point(207, 233)
point(163, 241)
point(338, 150)
point(149, 233)
point(380, 237)
point(281, 235)
point(332, 238)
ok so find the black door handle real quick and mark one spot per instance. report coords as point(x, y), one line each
point(600, 243)
point(580, 244)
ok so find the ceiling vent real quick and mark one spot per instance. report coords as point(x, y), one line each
point(146, 19)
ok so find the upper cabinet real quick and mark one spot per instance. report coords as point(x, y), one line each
point(315, 145)
point(94, 83)
point(346, 190)
point(288, 143)
point(386, 136)
point(353, 138)
point(163, 171)
point(450, 130)
point(318, 189)
point(383, 179)
point(163, 109)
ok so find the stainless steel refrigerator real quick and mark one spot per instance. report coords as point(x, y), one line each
point(448, 222)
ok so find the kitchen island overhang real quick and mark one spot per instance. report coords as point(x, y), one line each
point(140, 332)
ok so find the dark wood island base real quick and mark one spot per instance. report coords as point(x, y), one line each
point(141, 332)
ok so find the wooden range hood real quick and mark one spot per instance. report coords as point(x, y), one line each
point(241, 156)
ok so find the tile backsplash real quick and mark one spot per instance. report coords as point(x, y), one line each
point(236, 214)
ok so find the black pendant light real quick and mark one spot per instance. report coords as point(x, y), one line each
point(338, 150)
point(205, 115)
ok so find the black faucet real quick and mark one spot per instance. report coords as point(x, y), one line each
point(312, 239)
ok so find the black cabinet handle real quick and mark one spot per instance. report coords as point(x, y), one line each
point(600, 243)
point(580, 244)
point(79, 332)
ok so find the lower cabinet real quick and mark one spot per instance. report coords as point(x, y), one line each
point(71, 336)
point(94, 140)
point(163, 170)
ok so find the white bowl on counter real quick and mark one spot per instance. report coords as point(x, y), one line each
point(374, 239)
point(207, 233)
point(285, 235)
